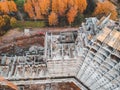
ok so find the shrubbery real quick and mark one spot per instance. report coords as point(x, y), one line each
point(6, 22)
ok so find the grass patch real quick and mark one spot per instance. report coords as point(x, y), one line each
point(28, 24)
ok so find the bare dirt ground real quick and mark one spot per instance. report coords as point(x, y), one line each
point(16, 32)
point(16, 37)
point(10, 34)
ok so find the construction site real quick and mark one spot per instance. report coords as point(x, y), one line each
point(87, 58)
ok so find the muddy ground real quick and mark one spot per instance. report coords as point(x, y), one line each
point(17, 37)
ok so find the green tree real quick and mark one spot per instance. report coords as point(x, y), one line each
point(90, 7)
point(20, 5)
point(78, 20)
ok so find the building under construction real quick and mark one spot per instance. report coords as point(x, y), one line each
point(83, 59)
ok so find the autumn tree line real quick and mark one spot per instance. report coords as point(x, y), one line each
point(67, 12)
point(53, 12)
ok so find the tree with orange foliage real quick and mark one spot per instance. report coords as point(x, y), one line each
point(55, 6)
point(37, 9)
point(44, 6)
point(29, 9)
point(12, 6)
point(53, 19)
point(62, 6)
point(4, 7)
point(81, 5)
point(71, 3)
point(8, 6)
point(59, 6)
point(72, 14)
point(76, 7)
point(40, 9)
point(105, 8)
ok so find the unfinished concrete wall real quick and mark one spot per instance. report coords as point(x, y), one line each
point(100, 69)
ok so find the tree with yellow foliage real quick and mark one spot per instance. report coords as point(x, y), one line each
point(105, 8)
point(6, 18)
point(6, 22)
point(7, 8)
point(13, 21)
point(2, 22)
point(53, 19)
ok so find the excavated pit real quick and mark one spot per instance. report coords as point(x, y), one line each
point(21, 43)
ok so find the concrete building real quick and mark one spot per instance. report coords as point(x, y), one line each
point(88, 57)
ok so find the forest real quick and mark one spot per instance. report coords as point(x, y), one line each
point(51, 13)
